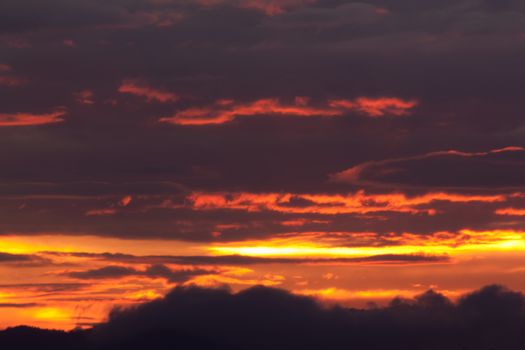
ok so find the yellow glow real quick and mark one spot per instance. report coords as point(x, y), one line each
point(440, 244)
point(343, 294)
point(144, 295)
point(336, 294)
point(62, 243)
point(52, 314)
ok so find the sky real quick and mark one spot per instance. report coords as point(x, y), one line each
point(351, 152)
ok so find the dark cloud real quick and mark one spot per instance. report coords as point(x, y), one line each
point(460, 60)
point(157, 269)
point(6, 257)
point(262, 318)
point(18, 305)
point(152, 271)
point(47, 287)
point(23, 260)
point(501, 168)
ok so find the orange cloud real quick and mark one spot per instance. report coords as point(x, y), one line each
point(330, 204)
point(140, 89)
point(511, 212)
point(28, 119)
point(125, 201)
point(224, 111)
point(377, 107)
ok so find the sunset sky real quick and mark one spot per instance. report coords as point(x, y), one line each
point(352, 151)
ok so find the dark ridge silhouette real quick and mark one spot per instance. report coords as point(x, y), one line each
point(265, 318)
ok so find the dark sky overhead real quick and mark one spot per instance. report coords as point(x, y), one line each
point(348, 152)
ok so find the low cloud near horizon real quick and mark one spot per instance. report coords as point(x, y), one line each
point(492, 317)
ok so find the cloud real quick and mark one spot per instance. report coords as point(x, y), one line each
point(262, 318)
point(101, 212)
point(153, 271)
point(141, 89)
point(23, 260)
point(47, 287)
point(225, 111)
point(331, 204)
point(377, 107)
point(29, 119)
point(84, 97)
point(18, 305)
point(510, 212)
point(498, 168)
point(240, 260)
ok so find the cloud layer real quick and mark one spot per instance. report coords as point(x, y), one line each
point(260, 318)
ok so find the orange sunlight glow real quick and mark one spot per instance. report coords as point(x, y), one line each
point(443, 243)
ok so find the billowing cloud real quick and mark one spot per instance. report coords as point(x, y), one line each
point(490, 316)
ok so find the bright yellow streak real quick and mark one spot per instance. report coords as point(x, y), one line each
point(52, 314)
point(336, 294)
point(343, 294)
point(468, 242)
point(313, 251)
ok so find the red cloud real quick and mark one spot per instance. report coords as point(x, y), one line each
point(138, 88)
point(377, 107)
point(224, 111)
point(28, 119)
point(124, 201)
